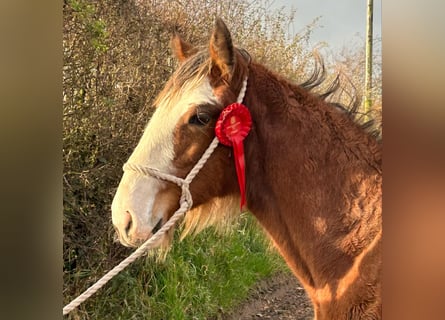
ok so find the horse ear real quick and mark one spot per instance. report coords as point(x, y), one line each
point(181, 49)
point(221, 48)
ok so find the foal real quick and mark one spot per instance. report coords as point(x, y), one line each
point(313, 174)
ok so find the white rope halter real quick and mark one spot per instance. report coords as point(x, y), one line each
point(185, 203)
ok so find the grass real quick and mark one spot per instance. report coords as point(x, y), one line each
point(201, 277)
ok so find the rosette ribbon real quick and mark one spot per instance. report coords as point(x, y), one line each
point(232, 127)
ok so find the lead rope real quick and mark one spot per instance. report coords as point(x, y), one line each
point(185, 203)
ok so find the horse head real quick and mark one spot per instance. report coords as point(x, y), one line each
point(178, 133)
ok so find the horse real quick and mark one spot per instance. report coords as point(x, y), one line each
point(313, 176)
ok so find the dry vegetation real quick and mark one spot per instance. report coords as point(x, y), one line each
point(116, 60)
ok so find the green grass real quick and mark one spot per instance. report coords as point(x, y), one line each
point(201, 276)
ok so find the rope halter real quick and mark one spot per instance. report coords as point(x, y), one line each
point(185, 202)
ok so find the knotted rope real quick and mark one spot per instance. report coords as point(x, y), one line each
point(185, 204)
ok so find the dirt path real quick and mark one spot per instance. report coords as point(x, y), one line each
point(280, 297)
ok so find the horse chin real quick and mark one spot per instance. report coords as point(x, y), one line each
point(136, 242)
point(125, 242)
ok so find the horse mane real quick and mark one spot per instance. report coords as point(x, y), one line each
point(187, 76)
point(318, 77)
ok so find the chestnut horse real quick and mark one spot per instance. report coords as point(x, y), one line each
point(313, 174)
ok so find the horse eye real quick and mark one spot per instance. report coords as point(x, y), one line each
point(200, 119)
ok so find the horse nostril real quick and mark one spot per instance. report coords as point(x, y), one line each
point(129, 223)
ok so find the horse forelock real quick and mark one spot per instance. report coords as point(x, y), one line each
point(191, 73)
point(187, 77)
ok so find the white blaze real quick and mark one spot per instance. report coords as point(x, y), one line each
point(136, 193)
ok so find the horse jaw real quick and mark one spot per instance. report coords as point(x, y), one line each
point(140, 201)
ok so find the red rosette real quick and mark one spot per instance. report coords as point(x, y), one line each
point(234, 123)
point(232, 127)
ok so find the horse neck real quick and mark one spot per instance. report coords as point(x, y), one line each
point(313, 178)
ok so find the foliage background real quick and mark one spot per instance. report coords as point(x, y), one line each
point(116, 59)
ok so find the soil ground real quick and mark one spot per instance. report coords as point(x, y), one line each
point(279, 297)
